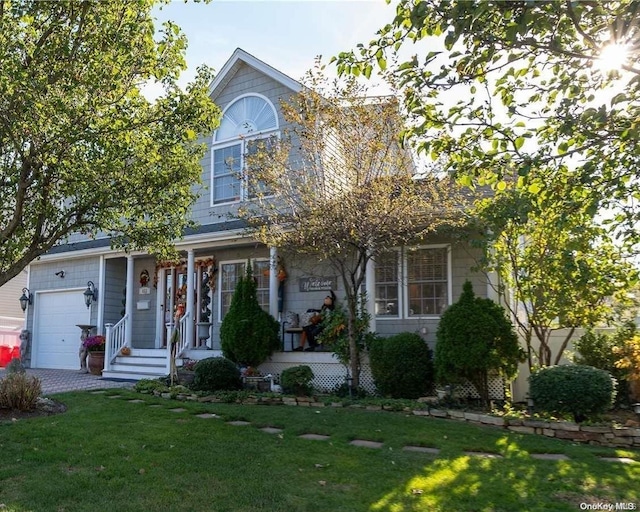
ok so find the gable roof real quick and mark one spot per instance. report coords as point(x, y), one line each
point(239, 57)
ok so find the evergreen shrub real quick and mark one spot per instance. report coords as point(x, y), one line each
point(297, 380)
point(248, 334)
point(216, 374)
point(579, 390)
point(402, 365)
point(474, 338)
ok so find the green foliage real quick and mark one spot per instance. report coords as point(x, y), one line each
point(297, 380)
point(151, 385)
point(216, 374)
point(248, 334)
point(82, 149)
point(19, 391)
point(15, 366)
point(402, 365)
point(555, 258)
point(598, 350)
point(474, 338)
point(533, 94)
point(572, 389)
point(335, 333)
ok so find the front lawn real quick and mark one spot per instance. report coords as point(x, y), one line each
point(110, 454)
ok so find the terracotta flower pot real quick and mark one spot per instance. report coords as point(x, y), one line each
point(95, 362)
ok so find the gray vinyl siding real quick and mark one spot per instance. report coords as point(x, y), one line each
point(246, 80)
point(115, 282)
point(11, 314)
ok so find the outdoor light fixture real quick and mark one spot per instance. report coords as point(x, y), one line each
point(90, 294)
point(25, 299)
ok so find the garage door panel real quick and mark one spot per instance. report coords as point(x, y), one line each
point(57, 338)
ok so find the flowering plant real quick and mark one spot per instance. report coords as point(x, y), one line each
point(94, 343)
point(188, 365)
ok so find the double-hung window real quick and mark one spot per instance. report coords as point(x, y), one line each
point(413, 283)
point(230, 274)
point(246, 121)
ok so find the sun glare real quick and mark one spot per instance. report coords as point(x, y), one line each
point(612, 57)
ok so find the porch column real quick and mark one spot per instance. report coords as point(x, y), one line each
point(370, 285)
point(190, 310)
point(273, 282)
point(128, 308)
point(161, 296)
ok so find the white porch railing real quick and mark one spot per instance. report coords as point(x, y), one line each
point(175, 349)
point(115, 340)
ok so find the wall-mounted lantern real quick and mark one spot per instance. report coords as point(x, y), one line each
point(90, 294)
point(25, 299)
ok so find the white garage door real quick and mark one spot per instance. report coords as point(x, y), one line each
point(56, 337)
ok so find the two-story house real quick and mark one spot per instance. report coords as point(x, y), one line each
point(138, 295)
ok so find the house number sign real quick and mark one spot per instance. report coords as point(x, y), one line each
point(316, 284)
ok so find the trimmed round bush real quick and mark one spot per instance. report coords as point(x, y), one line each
point(579, 390)
point(402, 365)
point(216, 374)
point(297, 380)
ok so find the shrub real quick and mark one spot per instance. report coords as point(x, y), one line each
point(475, 337)
point(248, 334)
point(402, 365)
point(19, 391)
point(297, 380)
point(15, 366)
point(151, 385)
point(216, 374)
point(572, 389)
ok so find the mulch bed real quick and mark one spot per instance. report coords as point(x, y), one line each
point(44, 407)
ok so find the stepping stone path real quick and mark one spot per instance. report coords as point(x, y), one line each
point(549, 456)
point(623, 460)
point(373, 444)
point(366, 444)
point(272, 430)
point(314, 437)
point(421, 449)
point(484, 455)
point(99, 392)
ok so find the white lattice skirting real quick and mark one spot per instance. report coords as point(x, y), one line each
point(329, 373)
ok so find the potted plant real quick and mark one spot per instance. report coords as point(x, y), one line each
point(204, 325)
point(95, 348)
point(186, 372)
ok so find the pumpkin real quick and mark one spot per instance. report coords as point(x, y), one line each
point(125, 351)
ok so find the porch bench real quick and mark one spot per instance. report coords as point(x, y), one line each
point(291, 331)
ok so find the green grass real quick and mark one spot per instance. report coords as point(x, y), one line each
point(106, 454)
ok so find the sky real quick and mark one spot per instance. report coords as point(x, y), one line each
point(287, 35)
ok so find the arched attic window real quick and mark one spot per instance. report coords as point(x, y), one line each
point(245, 120)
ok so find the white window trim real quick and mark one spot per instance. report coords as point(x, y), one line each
point(403, 284)
point(219, 283)
point(242, 141)
point(399, 315)
point(235, 100)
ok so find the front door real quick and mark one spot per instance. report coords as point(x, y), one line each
point(176, 287)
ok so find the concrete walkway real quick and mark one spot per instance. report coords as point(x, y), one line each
point(59, 381)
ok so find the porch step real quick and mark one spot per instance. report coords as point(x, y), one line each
point(141, 364)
